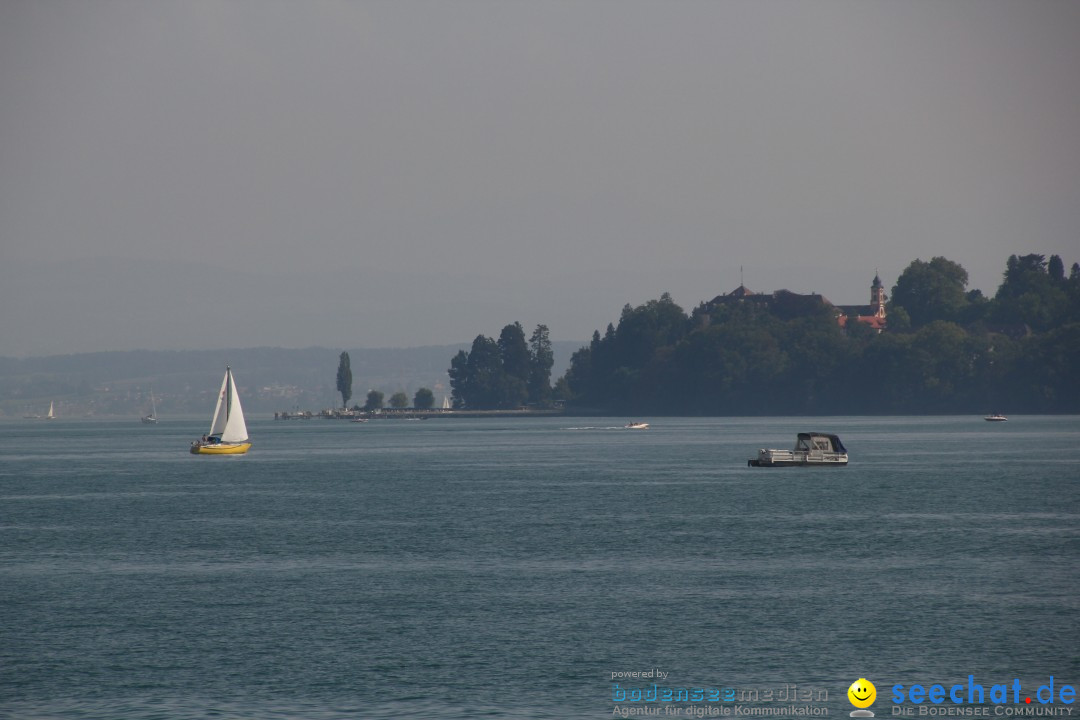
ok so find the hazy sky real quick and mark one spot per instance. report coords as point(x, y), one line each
point(179, 174)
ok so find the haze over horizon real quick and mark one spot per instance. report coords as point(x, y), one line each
point(262, 173)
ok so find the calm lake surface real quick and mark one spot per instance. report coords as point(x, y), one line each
point(506, 568)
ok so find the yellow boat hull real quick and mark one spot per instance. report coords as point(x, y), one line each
point(220, 448)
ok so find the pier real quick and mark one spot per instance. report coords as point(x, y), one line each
point(413, 414)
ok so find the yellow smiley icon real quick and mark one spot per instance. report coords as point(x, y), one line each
point(862, 693)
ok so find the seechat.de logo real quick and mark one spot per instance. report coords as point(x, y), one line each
point(862, 694)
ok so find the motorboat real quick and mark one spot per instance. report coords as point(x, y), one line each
point(811, 448)
point(995, 417)
point(636, 426)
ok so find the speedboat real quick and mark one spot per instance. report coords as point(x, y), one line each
point(995, 417)
point(636, 426)
point(811, 448)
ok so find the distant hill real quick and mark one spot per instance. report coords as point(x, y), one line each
point(186, 382)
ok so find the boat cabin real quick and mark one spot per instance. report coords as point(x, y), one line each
point(807, 442)
point(811, 448)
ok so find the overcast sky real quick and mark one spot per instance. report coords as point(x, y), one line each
point(183, 174)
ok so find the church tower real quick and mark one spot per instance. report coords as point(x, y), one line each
point(877, 297)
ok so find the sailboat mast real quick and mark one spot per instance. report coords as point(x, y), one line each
point(221, 409)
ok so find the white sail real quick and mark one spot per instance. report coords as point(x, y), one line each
point(152, 417)
point(228, 423)
point(235, 428)
point(51, 415)
point(445, 402)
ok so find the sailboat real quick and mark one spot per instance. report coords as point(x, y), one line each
point(446, 402)
point(151, 419)
point(228, 432)
point(51, 415)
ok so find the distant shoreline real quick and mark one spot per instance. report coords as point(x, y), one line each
point(410, 414)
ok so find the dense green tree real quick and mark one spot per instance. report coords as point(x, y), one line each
point(931, 291)
point(899, 320)
point(541, 359)
point(399, 401)
point(562, 392)
point(1044, 375)
point(579, 376)
point(1056, 269)
point(1030, 295)
point(486, 374)
point(1072, 290)
point(344, 379)
point(480, 381)
point(374, 400)
point(642, 330)
point(976, 310)
point(496, 374)
point(514, 352)
point(1021, 271)
point(459, 377)
point(424, 399)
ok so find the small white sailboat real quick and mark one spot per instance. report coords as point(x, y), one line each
point(52, 414)
point(228, 432)
point(151, 419)
point(446, 403)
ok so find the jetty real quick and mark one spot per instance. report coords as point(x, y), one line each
point(414, 414)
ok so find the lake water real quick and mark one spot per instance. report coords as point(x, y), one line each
point(507, 568)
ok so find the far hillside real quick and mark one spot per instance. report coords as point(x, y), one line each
point(185, 382)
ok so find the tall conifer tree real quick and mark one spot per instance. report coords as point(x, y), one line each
point(344, 379)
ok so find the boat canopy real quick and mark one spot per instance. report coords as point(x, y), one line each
point(825, 442)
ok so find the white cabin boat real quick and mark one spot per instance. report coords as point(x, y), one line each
point(995, 417)
point(811, 448)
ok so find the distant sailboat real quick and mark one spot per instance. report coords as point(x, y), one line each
point(151, 419)
point(51, 415)
point(446, 402)
point(228, 432)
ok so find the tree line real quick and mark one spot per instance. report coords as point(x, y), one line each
point(946, 349)
point(493, 374)
point(424, 399)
